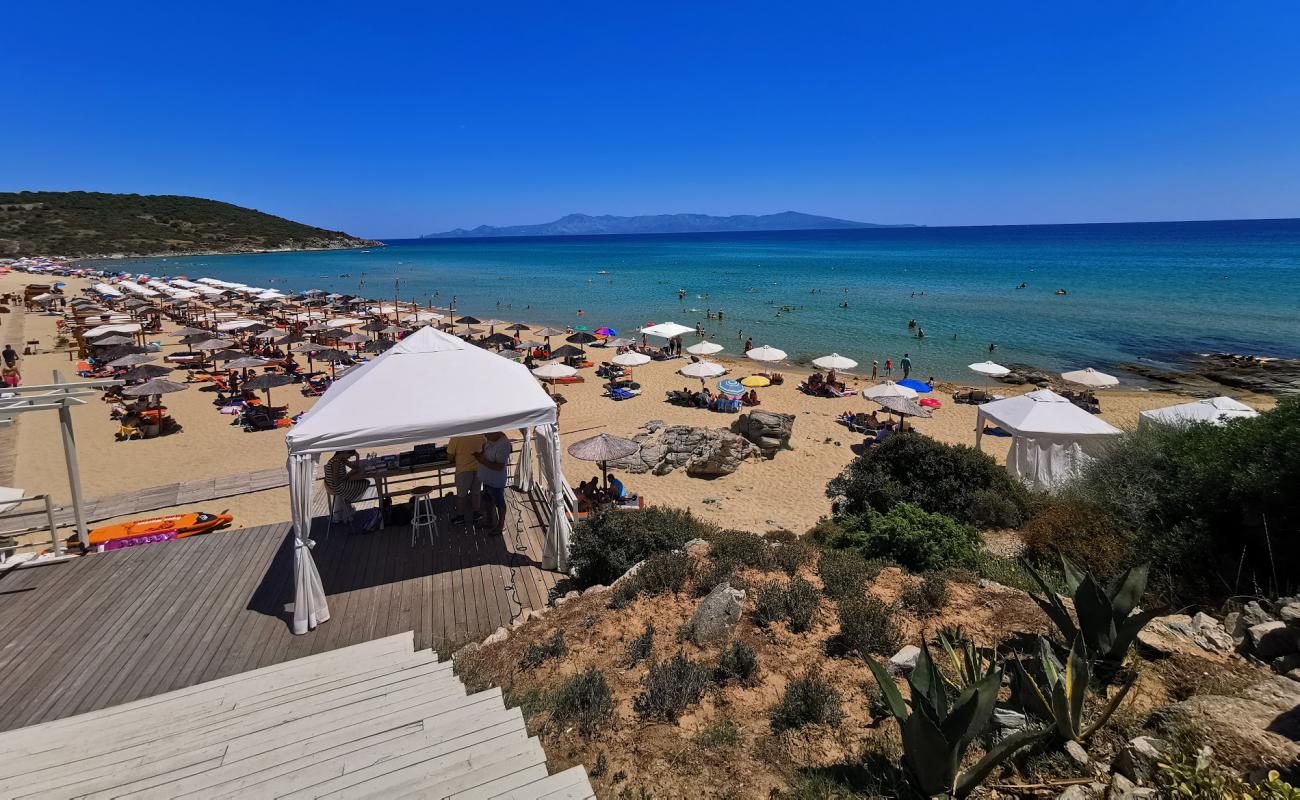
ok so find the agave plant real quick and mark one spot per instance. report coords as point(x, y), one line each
point(967, 663)
point(1107, 624)
point(1061, 690)
point(937, 732)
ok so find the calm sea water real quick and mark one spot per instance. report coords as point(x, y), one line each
point(1134, 291)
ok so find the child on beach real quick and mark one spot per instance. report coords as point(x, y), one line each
point(889, 367)
point(875, 368)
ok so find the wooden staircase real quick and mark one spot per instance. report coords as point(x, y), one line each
point(371, 720)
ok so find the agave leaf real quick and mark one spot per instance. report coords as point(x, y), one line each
point(1065, 724)
point(973, 777)
point(927, 684)
point(1109, 708)
point(1051, 667)
point(1096, 622)
point(1128, 631)
point(1051, 604)
point(957, 661)
point(971, 712)
point(889, 690)
point(1073, 575)
point(1040, 692)
point(1077, 676)
point(933, 761)
point(1127, 591)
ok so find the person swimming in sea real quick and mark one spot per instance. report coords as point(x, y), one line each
point(911, 324)
point(993, 346)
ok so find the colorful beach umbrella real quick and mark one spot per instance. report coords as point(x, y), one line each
point(732, 388)
point(755, 381)
point(606, 332)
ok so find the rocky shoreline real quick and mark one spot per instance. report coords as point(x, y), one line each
point(1198, 375)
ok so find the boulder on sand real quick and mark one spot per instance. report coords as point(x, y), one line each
point(717, 614)
point(767, 429)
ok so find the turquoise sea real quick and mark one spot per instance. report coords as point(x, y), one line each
point(1141, 291)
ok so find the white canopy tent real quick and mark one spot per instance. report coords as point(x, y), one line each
point(1214, 410)
point(1051, 437)
point(431, 385)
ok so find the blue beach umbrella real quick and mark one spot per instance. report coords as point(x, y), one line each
point(920, 387)
point(731, 387)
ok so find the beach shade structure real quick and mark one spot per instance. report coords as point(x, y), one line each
point(246, 362)
point(393, 330)
point(567, 351)
point(373, 326)
point(333, 358)
point(133, 360)
point(920, 387)
point(114, 353)
point(631, 359)
point(209, 345)
point(703, 369)
point(766, 353)
point(887, 389)
point(518, 326)
point(834, 361)
point(604, 448)
point(755, 381)
point(308, 347)
point(705, 348)
point(467, 320)
point(227, 355)
point(989, 368)
point(472, 331)
point(377, 346)
point(1090, 377)
point(550, 372)
point(547, 333)
point(146, 372)
point(581, 337)
point(619, 342)
point(667, 330)
point(266, 382)
point(903, 407)
point(290, 340)
point(503, 339)
point(606, 332)
point(195, 338)
point(153, 387)
point(267, 335)
point(354, 338)
point(1212, 411)
point(111, 341)
point(732, 388)
point(316, 327)
point(1051, 438)
point(511, 354)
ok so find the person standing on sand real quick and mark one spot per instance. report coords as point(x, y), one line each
point(875, 369)
point(10, 356)
point(749, 345)
point(906, 364)
point(889, 367)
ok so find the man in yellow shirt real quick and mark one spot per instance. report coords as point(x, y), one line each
point(461, 450)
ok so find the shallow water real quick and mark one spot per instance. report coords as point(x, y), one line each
point(1134, 291)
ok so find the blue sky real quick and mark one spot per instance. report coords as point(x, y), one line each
point(393, 119)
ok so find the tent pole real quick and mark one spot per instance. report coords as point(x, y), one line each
point(74, 472)
point(979, 429)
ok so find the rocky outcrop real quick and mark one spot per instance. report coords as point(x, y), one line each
point(1259, 729)
point(703, 452)
point(1208, 374)
point(767, 429)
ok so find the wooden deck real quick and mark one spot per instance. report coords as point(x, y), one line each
point(114, 627)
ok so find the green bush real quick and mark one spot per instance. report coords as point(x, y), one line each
point(584, 702)
point(738, 664)
point(736, 549)
point(608, 543)
point(670, 687)
point(1081, 532)
point(955, 480)
point(807, 701)
point(926, 597)
point(845, 573)
point(640, 648)
point(790, 552)
point(917, 540)
point(866, 628)
point(795, 603)
point(1213, 508)
point(538, 654)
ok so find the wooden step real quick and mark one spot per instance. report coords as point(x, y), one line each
point(571, 784)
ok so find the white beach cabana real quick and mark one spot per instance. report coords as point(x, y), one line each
point(1051, 438)
point(431, 385)
point(1213, 410)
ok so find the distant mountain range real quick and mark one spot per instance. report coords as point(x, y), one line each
point(587, 225)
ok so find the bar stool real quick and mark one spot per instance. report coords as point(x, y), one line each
point(424, 520)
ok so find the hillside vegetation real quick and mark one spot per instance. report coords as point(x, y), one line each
point(94, 223)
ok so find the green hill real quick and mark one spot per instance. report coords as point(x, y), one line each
point(97, 224)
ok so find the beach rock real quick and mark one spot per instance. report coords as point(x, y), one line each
point(499, 635)
point(720, 453)
point(1290, 614)
point(1009, 720)
point(904, 661)
point(705, 452)
point(1179, 633)
point(1235, 626)
point(1075, 792)
point(1139, 761)
point(768, 430)
point(1256, 730)
point(1272, 639)
point(1253, 614)
point(1075, 752)
point(717, 614)
point(1122, 788)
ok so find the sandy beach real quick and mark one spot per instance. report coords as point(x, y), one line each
point(786, 492)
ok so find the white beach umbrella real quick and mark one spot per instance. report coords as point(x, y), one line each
point(1090, 377)
point(705, 349)
point(550, 371)
point(990, 369)
point(887, 389)
point(703, 369)
point(834, 361)
point(631, 359)
point(667, 330)
point(766, 353)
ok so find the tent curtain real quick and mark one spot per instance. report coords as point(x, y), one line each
point(309, 606)
point(555, 553)
point(524, 469)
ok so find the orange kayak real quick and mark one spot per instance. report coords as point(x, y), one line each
point(183, 524)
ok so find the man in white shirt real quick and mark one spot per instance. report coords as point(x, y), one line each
point(493, 468)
